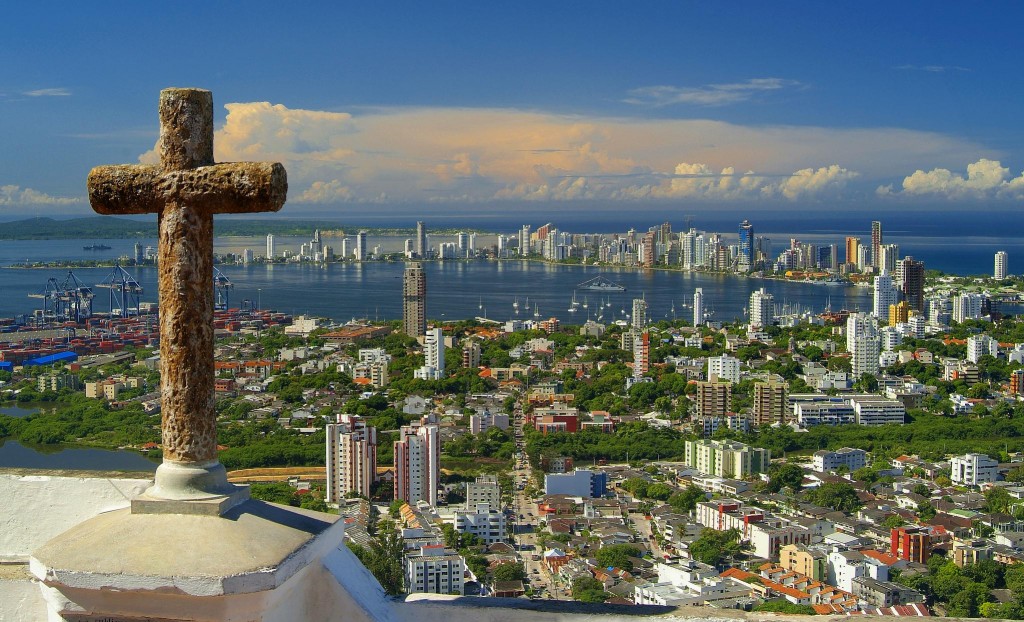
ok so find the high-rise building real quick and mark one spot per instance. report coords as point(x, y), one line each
point(967, 306)
point(863, 344)
point(999, 272)
point(351, 458)
point(639, 317)
point(361, 246)
point(647, 249)
point(876, 243)
point(1017, 382)
point(421, 239)
point(417, 464)
point(713, 399)
point(762, 308)
point(462, 242)
point(471, 351)
point(746, 247)
point(414, 301)
point(899, 313)
point(724, 367)
point(770, 402)
point(524, 240)
point(980, 345)
point(889, 254)
point(270, 246)
point(885, 295)
point(698, 307)
point(433, 355)
point(852, 249)
point(641, 354)
point(910, 279)
point(138, 253)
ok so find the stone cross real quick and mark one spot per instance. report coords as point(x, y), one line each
point(185, 191)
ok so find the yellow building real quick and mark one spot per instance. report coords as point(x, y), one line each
point(798, 558)
point(899, 313)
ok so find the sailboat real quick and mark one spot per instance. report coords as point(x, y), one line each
point(585, 305)
point(515, 304)
point(481, 305)
point(573, 305)
point(536, 311)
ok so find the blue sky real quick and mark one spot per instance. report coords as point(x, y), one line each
point(427, 107)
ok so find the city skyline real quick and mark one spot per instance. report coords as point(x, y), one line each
point(450, 109)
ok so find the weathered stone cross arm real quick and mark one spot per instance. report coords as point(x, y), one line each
point(227, 188)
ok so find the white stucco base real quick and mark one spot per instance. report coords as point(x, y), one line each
point(35, 507)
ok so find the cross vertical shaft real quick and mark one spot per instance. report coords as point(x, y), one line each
point(185, 258)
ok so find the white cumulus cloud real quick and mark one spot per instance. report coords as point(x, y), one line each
point(325, 192)
point(16, 195)
point(985, 179)
point(699, 181)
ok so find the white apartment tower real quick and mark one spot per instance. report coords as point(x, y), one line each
point(1000, 268)
point(417, 464)
point(762, 308)
point(973, 469)
point(271, 248)
point(524, 240)
point(351, 458)
point(361, 246)
point(724, 367)
point(967, 306)
point(886, 295)
point(698, 307)
point(863, 344)
point(433, 354)
point(980, 345)
point(639, 319)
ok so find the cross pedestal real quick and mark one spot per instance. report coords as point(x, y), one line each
point(193, 547)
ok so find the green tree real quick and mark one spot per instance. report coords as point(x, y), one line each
point(893, 521)
point(589, 590)
point(839, 496)
point(687, 500)
point(617, 556)
point(786, 475)
point(713, 546)
point(511, 571)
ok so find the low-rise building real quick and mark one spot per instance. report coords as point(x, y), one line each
point(579, 483)
point(849, 457)
point(435, 570)
point(483, 520)
point(973, 470)
point(884, 593)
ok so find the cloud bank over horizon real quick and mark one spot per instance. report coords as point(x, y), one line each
point(460, 155)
